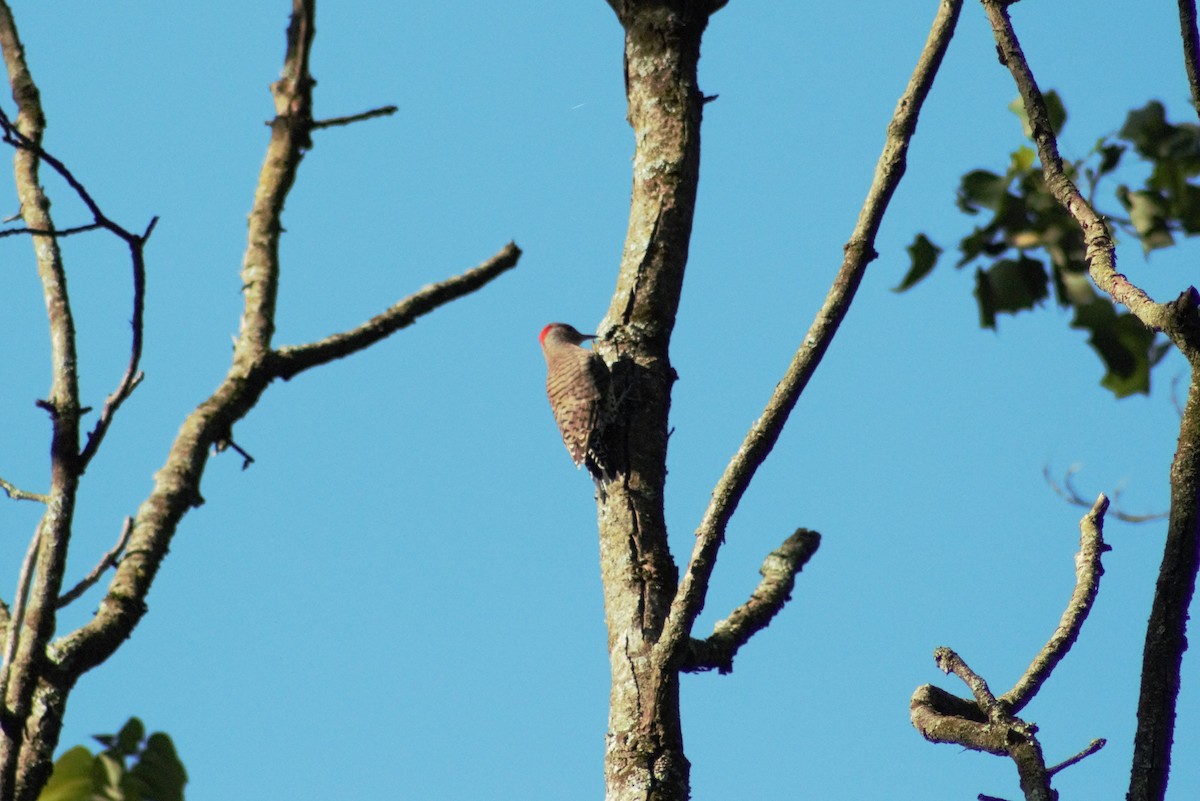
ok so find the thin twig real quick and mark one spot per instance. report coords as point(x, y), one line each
point(62, 233)
point(692, 589)
point(1071, 495)
point(24, 581)
point(21, 495)
point(948, 661)
point(110, 559)
point(382, 111)
point(247, 459)
point(1093, 747)
point(1087, 583)
point(136, 244)
point(288, 361)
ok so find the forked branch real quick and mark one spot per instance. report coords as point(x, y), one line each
point(1087, 583)
point(1166, 632)
point(989, 723)
point(860, 250)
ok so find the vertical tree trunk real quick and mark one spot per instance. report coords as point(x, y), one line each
point(644, 758)
point(1166, 632)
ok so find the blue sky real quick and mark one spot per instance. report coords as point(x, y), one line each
point(400, 598)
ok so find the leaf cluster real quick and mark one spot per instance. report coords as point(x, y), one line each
point(131, 767)
point(1029, 247)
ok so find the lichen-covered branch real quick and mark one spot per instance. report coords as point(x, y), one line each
point(989, 723)
point(1087, 583)
point(40, 674)
point(1166, 632)
point(689, 598)
point(1178, 320)
point(778, 571)
point(21, 747)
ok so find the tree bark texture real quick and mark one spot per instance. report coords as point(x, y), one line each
point(1166, 632)
point(644, 759)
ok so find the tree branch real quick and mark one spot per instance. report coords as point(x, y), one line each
point(990, 724)
point(1092, 747)
point(1070, 494)
point(24, 750)
point(13, 634)
point(109, 559)
point(1087, 582)
point(1191, 48)
point(991, 727)
point(690, 595)
point(1180, 321)
point(136, 244)
point(382, 111)
point(1177, 320)
point(779, 577)
point(18, 494)
point(288, 361)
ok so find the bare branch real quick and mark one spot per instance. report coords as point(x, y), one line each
point(382, 111)
point(21, 495)
point(1093, 747)
point(28, 752)
point(288, 361)
point(1071, 495)
point(136, 244)
point(990, 723)
point(991, 727)
point(61, 233)
point(1166, 637)
point(1087, 583)
point(950, 662)
point(13, 635)
point(689, 598)
point(110, 559)
point(779, 577)
point(942, 717)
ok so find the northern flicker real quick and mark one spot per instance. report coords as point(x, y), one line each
point(578, 383)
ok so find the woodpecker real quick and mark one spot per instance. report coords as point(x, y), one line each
point(579, 386)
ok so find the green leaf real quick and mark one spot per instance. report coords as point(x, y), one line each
point(981, 188)
point(107, 771)
point(1022, 160)
point(129, 739)
point(923, 255)
point(1187, 209)
point(1124, 345)
point(71, 779)
point(158, 774)
point(1054, 107)
point(1146, 128)
point(1110, 158)
point(1009, 286)
point(1148, 212)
